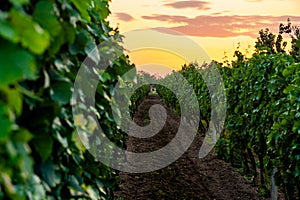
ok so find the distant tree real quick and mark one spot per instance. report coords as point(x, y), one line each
point(269, 43)
point(266, 42)
point(294, 33)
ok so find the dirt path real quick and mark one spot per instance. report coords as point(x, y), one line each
point(188, 177)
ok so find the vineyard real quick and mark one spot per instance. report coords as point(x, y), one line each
point(266, 135)
point(262, 128)
point(42, 47)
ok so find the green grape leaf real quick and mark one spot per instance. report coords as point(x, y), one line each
point(83, 7)
point(69, 33)
point(13, 99)
point(32, 36)
point(81, 40)
point(7, 31)
point(56, 44)
point(43, 145)
point(61, 92)
point(48, 173)
point(22, 135)
point(101, 8)
point(296, 127)
point(74, 183)
point(44, 15)
point(16, 64)
point(5, 123)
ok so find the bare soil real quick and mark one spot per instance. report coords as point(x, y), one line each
point(187, 178)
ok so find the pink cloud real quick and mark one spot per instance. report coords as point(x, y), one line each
point(224, 26)
point(124, 17)
point(201, 5)
point(168, 18)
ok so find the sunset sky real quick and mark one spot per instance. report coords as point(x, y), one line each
point(217, 26)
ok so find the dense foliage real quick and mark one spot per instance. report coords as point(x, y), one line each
point(263, 118)
point(263, 121)
point(140, 93)
point(42, 45)
point(262, 128)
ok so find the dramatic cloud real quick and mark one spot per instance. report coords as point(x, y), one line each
point(124, 17)
point(223, 26)
point(201, 5)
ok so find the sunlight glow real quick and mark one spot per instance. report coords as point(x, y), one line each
point(160, 13)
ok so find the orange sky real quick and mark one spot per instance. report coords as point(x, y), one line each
point(216, 25)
